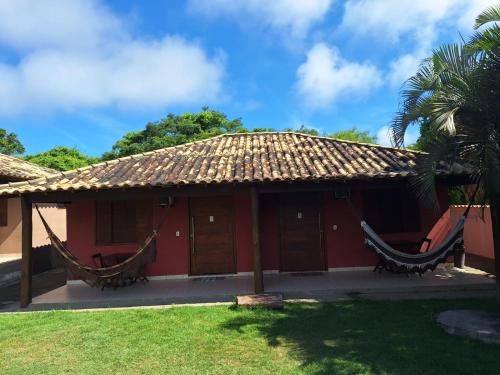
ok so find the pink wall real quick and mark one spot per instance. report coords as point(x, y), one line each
point(478, 234)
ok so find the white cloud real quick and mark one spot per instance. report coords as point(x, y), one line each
point(467, 15)
point(34, 24)
point(326, 77)
point(421, 21)
point(77, 54)
point(292, 16)
point(384, 136)
point(390, 19)
point(403, 68)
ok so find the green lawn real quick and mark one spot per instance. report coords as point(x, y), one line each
point(358, 337)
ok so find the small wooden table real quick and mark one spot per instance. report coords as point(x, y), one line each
point(115, 258)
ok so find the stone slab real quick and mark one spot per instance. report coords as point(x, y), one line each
point(267, 300)
point(480, 325)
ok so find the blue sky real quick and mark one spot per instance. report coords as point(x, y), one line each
point(82, 73)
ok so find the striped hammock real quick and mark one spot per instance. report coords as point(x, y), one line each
point(398, 261)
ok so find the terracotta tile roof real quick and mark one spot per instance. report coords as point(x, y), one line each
point(14, 169)
point(236, 158)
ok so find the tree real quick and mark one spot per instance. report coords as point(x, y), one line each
point(9, 144)
point(260, 130)
point(457, 90)
point(303, 130)
point(355, 135)
point(352, 134)
point(61, 158)
point(175, 130)
point(180, 129)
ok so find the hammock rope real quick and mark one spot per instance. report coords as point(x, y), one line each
point(111, 275)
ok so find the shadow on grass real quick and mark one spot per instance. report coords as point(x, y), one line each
point(372, 337)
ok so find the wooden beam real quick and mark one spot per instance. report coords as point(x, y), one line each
point(26, 261)
point(137, 193)
point(257, 265)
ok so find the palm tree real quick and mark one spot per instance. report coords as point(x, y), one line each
point(456, 93)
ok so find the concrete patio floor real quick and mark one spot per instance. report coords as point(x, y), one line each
point(322, 286)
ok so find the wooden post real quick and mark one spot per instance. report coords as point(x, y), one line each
point(459, 256)
point(26, 261)
point(495, 224)
point(257, 265)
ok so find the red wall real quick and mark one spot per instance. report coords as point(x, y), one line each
point(81, 233)
point(344, 247)
point(172, 251)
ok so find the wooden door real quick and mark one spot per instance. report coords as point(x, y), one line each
point(212, 242)
point(301, 233)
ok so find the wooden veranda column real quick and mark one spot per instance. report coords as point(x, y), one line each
point(26, 261)
point(257, 265)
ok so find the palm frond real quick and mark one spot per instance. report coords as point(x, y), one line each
point(424, 181)
point(444, 120)
point(455, 94)
point(485, 40)
point(491, 14)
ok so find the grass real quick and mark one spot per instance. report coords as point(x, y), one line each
point(355, 337)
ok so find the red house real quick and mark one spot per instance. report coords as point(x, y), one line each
point(242, 203)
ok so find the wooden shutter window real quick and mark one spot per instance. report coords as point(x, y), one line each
point(144, 219)
point(124, 222)
point(116, 222)
point(104, 223)
point(4, 213)
point(392, 211)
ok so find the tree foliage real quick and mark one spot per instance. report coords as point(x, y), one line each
point(426, 137)
point(303, 130)
point(61, 158)
point(355, 135)
point(9, 144)
point(175, 130)
point(180, 129)
point(455, 96)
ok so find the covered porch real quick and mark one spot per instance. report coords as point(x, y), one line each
point(346, 268)
point(249, 210)
point(335, 285)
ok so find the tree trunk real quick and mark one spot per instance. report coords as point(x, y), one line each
point(495, 224)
